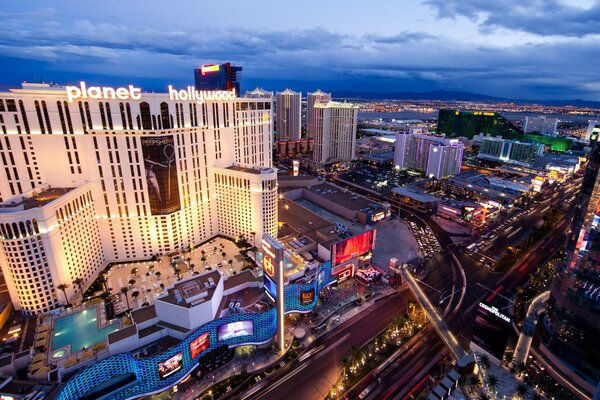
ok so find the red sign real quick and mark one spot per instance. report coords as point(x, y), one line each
point(353, 247)
point(199, 344)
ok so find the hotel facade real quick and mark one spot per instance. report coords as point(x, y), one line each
point(95, 175)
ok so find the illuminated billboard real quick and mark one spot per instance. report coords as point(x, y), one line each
point(307, 297)
point(492, 329)
point(353, 247)
point(199, 344)
point(161, 174)
point(270, 287)
point(235, 329)
point(170, 366)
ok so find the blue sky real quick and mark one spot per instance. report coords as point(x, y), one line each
point(535, 49)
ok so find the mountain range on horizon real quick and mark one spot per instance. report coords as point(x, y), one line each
point(449, 95)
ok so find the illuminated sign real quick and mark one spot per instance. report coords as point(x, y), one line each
point(295, 167)
point(268, 266)
point(273, 280)
point(451, 210)
point(97, 92)
point(200, 96)
point(494, 311)
point(199, 344)
point(170, 366)
point(353, 247)
point(307, 296)
point(209, 68)
point(235, 329)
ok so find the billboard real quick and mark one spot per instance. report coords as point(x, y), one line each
point(199, 344)
point(161, 174)
point(170, 366)
point(235, 329)
point(307, 297)
point(352, 247)
point(492, 329)
point(270, 287)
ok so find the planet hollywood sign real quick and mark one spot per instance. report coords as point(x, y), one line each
point(131, 92)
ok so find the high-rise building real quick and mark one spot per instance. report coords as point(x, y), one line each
point(572, 329)
point(288, 115)
point(313, 98)
point(456, 123)
point(434, 155)
point(541, 125)
point(94, 175)
point(593, 129)
point(509, 150)
point(217, 77)
point(335, 131)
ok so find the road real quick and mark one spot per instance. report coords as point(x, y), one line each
point(313, 377)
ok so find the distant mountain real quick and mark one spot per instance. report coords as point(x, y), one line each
point(449, 95)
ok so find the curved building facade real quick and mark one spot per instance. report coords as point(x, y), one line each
point(159, 172)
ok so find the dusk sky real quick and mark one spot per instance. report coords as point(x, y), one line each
point(527, 49)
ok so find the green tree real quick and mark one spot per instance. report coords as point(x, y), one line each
point(79, 283)
point(63, 287)
point(474, 381)
point(522, 390)
point(485, 361)
point(492, 381)
point(124, 291)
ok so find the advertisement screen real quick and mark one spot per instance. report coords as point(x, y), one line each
point(199, 344)
point(170, 366)
point(270, 287)
point(353, 247)
point(307, 296)
point(161, 174)
point(492, 329)
point(235, 329)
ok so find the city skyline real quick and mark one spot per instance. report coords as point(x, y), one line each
point(499, 50)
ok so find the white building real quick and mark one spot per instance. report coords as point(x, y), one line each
point(313, 98)
point(436, 156)
point(593, 128)
point(289, 115)
point(96, 175)
point(512, 151)
point(335, 131)
point(541, 124)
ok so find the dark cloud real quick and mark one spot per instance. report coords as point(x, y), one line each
point(540, 17)
point(38, 46)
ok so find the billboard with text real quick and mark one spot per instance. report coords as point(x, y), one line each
point(353, 247)
point(161, 174)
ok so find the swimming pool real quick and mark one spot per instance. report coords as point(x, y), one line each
point(80, 330)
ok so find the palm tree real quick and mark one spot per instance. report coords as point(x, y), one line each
point(521, 367)
point(484, 396)
point(485, 361)
point(522, 390)
point(124, 290)
point(79, 283)
point(492, 382)
point(63, 287)
point(192, 266)
point(508, 357)
point(177, 271)
point(474, 380)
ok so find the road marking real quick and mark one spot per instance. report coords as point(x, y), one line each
point(514, 232)
point(311, 352)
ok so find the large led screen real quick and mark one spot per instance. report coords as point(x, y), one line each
point(170, 366)
point(235, 329)
point(199, 344)
point(353, 247)
point(270, 287)
point(161, 174)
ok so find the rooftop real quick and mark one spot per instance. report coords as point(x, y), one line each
point(299, 221)
point(345, 198)
point(35, 200)
point(143, 314)
point(415, 195)
point(192, 291)
point(239, 279)
point(256, 171)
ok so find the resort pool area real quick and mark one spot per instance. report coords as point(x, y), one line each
point(80, 330)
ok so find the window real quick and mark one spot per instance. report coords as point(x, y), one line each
point(145, 115)
point(164, 116)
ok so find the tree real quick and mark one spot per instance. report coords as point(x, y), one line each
point(125, 290)
point(223, 254)
point(63, 287)
point(474, 380)
point(192, 266)
point(492, 382)
point(135, 295)
point(508, 357)
point(521, 367)
point(79, 283)
point(134, 271)
point(158, 274)
point(485, 361)
point(131, 282)
point(484, 396)
point(230, 262)
point(522, 390)
point(203, 259)
point(177, 271)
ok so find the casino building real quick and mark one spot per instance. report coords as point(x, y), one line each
point(94, 175)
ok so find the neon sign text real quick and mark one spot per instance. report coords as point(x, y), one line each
point(97, 92)
point(200, 96)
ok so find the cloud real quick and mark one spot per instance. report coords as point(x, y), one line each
point(539, 17)
point(406, 60)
